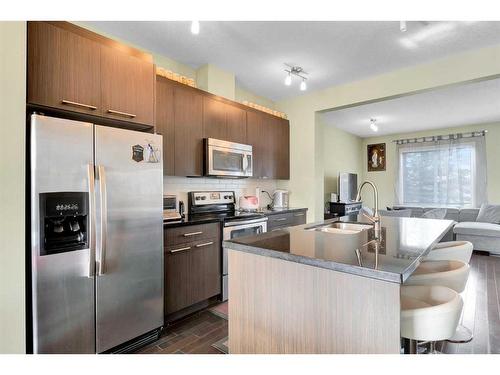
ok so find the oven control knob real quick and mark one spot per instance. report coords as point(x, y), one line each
point(203, 198)
point(197, 198)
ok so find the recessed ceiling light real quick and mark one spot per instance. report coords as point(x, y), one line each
point(195, 27)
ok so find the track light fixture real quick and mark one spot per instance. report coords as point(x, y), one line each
point(298, 72)
point(402, 26)
point(373, 125)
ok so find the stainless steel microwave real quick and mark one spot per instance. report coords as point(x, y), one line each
point(227, 159)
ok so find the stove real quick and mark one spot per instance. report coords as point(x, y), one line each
point(218, 205)
point(236, 223)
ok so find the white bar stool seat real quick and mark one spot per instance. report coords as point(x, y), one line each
point(429, 313)
point(450, 273)
point(452, 250)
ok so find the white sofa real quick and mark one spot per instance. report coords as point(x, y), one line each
point(484, 236)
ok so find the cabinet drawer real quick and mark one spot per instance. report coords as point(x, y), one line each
point(279, 221)
point(299, 217)
point(190, 233)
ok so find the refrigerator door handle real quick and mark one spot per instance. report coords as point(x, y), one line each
point(104, 219)
point(91, 181)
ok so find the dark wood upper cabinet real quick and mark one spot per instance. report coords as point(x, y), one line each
point(236, 122)
point(63, 69)
point(165, 124)
point(76, 70)
point(188, 114)
point(214, 119)
point(255, 138)
point(283, 146)
point(185, 115)
point(127, 87)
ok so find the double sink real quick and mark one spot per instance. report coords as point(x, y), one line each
point(340, 227)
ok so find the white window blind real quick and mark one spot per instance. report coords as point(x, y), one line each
point(443, 174)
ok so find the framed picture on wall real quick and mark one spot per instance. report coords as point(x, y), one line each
point(376, 157)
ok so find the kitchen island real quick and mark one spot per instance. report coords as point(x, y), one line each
point(325, 287)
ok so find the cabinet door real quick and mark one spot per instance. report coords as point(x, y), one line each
point(63, 69)
point(127, 87)
point(282, 139)
point(255, 137)
point(165, 122)
point(188, 109)
point(177, 278)
point(205, 272)
point(214, 119)
point(236, 123)
point(270, 139)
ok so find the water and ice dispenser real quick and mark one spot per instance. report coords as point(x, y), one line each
point(64, 222)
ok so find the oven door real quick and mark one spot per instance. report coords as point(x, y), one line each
point(228, 159)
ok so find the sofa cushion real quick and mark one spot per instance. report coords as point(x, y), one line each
point(435, 213)
point(468, 214)
point(489, 213)
point(477, 229)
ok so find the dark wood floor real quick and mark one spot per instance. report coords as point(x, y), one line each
point(481, 307)
point(194, 334)
point(197, 333)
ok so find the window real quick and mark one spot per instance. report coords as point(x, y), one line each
point(439, 174)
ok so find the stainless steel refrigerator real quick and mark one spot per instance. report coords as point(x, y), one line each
point(96, 236)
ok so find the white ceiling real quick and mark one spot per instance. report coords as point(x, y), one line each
point(332, 52)
point(473, 103)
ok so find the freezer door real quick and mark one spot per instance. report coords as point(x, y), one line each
point(62, 282)
point(129, 287)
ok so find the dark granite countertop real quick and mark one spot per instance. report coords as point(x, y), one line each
point(193, 220)
point(404, 242)
point(188, 220)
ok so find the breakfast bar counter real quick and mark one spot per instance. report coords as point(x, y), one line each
point(329, 287)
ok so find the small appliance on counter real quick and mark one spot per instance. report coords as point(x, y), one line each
point(280, 199)
point(170, 208)
point(249, 203)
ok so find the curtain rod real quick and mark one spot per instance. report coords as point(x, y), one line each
point(435, 138)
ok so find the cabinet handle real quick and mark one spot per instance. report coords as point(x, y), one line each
point(297, 215)
point(88, 106)
point(192, 234)
point(112, 111)
point(205, 244)
point(280, 219)
point(179, 250)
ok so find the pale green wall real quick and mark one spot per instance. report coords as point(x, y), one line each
point(341, 154)
point(242, 94)
point(216, 81)
point(385, 180)
point(12, 185)
point(306, 184)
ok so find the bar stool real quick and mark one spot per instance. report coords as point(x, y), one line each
point(452, 250)
point(450, 273)
point(429, 313)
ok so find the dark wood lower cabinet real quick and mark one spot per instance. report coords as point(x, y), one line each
point(192, 269)
point(286, 219)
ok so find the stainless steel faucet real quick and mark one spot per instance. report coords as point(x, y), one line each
point(375, 219)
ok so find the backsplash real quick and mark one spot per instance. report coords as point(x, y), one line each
point(180, 186)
